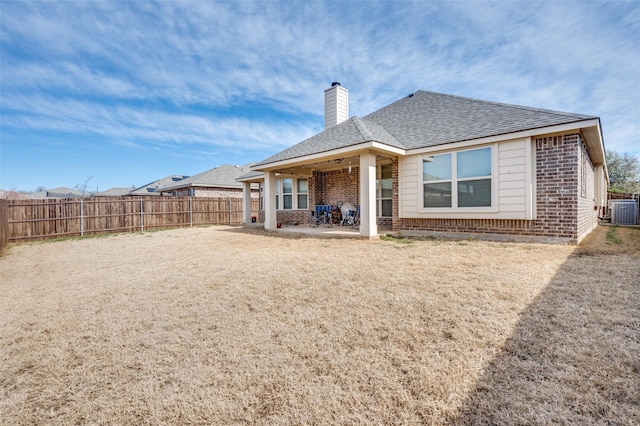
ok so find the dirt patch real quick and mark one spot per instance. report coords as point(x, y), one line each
point(217, 326)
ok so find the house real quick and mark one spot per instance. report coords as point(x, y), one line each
point(437, 164)
point(153, 187)
point(217, 182)
point(60, 192)
point(114, 192)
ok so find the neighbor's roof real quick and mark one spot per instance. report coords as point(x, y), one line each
point(426, 119)
point(60, 192)
point(153, 187)
point(223, 176)
point(114, 192)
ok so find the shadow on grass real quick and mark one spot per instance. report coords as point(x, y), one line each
point(574, 356)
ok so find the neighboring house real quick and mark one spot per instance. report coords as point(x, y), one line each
point(153, 187)
point(114, 192)
point(12, 195)
point(217, 182)
point(60, 192)
point(437, 164)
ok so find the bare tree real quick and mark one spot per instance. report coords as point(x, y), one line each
point(83, 187)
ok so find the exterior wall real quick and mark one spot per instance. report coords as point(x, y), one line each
point(512, 179)
point(334, 186)
point(395, 207)
point(564, 192)
point(587, 198)
point(513, 198)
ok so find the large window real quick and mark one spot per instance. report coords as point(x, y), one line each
point(292, 194)
point(458, 179)
point(384, 191)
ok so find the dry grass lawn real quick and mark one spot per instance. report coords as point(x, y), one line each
point(227, 326)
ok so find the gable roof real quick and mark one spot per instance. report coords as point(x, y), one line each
point(153, 187)
point(425, 119)
point(223, 176)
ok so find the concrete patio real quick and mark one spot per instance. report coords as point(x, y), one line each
point(322, 231)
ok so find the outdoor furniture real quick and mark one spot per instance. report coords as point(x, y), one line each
point(322, 215)
point(350, 215)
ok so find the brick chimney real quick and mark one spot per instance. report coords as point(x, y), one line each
point(336, 105)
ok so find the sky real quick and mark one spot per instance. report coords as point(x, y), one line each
point(121, 93)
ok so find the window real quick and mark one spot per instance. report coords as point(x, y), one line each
point(384, 191)
point(287, 198)
point(287, 193)
point(303, 194)
point(458, 179)
point(436, 175)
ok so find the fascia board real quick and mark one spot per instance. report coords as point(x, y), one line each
point(252, 179)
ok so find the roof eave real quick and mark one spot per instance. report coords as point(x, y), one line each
point(330, 154)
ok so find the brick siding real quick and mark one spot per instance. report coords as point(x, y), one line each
point(334, 186)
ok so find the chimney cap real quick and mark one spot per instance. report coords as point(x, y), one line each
point(335, 83)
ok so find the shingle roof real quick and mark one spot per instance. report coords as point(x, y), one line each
point(114, 192)
point(153, 187)
point(223, 176)
point(426, 119)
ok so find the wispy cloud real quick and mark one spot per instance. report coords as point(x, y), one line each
point(176, 74)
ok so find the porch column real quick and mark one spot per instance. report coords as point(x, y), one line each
point(368, 225)
point(246, 202)
point(270, 222)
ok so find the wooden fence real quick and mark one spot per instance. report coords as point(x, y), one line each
point(4, 224)
point(54, 218)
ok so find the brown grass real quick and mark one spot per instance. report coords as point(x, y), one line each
point(217, 326)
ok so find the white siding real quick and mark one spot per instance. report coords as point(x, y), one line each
point(409, 194)
point(512, 177)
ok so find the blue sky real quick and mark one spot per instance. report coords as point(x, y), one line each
point(130, 92)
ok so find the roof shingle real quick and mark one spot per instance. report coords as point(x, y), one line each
point(426, 119)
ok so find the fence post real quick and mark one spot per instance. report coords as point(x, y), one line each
point(190, 213)
point(81, 218)
point(230, 223)
point(141, 216)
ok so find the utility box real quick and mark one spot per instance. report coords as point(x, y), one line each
point(624, 212)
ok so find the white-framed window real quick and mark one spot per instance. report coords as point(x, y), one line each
point(384, 191)
point(458, 180)
point(302, 188)
point(292, 194)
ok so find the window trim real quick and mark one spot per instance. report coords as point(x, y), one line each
point(455, 180)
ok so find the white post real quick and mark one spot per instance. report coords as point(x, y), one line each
point(246, 202)
point(368, 225)
point(270, 221)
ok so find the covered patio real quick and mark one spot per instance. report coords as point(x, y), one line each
point(361, 176)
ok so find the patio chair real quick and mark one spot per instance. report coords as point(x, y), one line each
point(346, 220)
point(351, 216)
point(321, 215)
